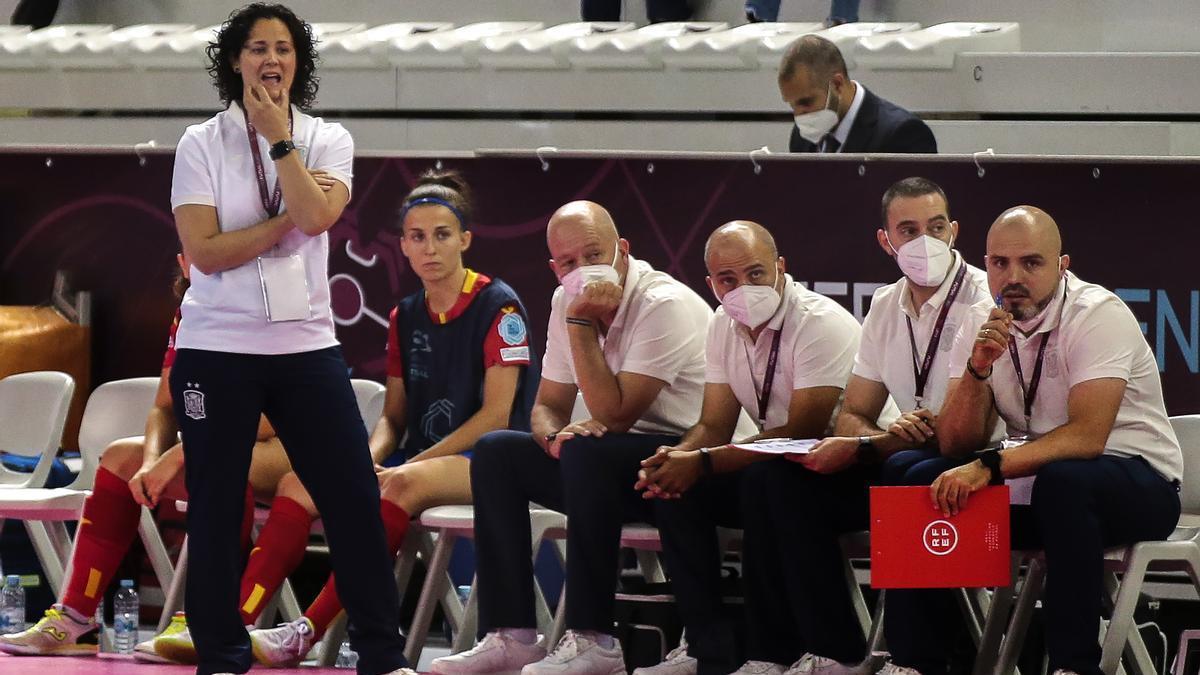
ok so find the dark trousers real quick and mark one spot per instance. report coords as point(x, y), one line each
point(308, 398)
point(592, 482)
point(656, 10)
point(911, 614)
point(692, 555)
point(797, 600)
point(1079, 507)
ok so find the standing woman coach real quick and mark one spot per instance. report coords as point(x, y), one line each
point(254, 191)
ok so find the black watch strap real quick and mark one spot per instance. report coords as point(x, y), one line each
point(706, 461)
point(991, 459)
point(866, 453)
point(281, 149)
point(976, 374)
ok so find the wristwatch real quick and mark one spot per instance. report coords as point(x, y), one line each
point(976, 374)
point(281, 149)
point(991, 459)
point(706, 461)
point(866, 453)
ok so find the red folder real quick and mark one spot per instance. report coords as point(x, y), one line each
point(914, 546)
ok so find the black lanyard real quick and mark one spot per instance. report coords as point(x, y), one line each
point(764, 398)
point(1029, 393)
point(921, 372)
point(270, 203)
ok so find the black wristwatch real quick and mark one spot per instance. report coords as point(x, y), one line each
point(281, 149)
point(706, 461)
point(976, 374)
point(991, 459)
point(866, 453)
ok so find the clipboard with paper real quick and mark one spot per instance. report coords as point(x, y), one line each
point(780, 446)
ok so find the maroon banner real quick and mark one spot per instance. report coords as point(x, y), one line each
point(106, 219)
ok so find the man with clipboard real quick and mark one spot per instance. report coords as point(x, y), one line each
point(905, 350)
point(781, 353)
point(1064, 364)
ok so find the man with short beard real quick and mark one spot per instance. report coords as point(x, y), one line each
point(1065, 365)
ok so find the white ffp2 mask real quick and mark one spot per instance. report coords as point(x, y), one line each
point(813, 126)
point(925, 260)
point(752, 306)
point(577, 279)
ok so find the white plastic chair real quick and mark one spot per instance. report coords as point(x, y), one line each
point(370, 396)
point(936, 47)
point(113, 411)
point(450, 523)
point(117, 410)
point(1179, 552)
point(368, 48)
point(646, 543)
point(33, 412)
point(457, 48)
point(640, 49)
point(541, 50)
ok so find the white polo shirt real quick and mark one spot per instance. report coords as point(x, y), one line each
point(225, 311)
point(817, 342)
point(886, 354)
point(1092, 335)
point(658, 332)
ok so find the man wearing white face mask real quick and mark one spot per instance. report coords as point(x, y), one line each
point(782, 354)
point(836, 114)
point(905, 355)
point(631, 340)
point(907, 332)
point(1065, 366)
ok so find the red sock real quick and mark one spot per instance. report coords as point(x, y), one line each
point(395, 525)
point(106, 529)
point(327, 607)
point(278, 551)
point(248, 519)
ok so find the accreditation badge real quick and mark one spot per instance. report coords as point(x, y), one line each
point(285, 288)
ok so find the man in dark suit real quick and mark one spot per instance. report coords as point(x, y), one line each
point(836, 114)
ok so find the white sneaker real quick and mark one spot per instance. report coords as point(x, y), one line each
point(285, 645)
point(819, 665)
point(760, 668)
point(677, 663)
point(577, 654)
point(176, 633)
point(890, 668)
point(498, 653)
point(61, 632)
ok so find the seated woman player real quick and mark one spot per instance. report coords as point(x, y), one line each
point(459, 366)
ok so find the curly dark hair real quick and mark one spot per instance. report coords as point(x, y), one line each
point(224, 50)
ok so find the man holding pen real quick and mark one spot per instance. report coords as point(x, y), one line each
point(1064, 364)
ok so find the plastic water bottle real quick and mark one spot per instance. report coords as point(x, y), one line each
point(125, 618)
point(347, 657)
point(12, 606)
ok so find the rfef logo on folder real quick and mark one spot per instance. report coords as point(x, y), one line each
point(914, 546)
